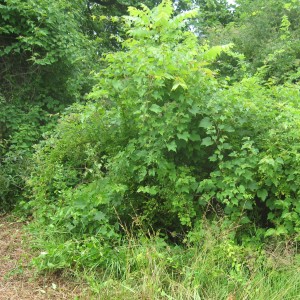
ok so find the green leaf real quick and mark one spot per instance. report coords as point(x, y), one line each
point(215, 51)
point(262, 194)
point(205, 123)
point(245, 220)
point(155, 108)
point(207, 141)
point(99, 216)
point(194, 137)
point(194, 110)
point(248, 205)
point(172, 146)
point(183, 136)
point(151, 190)
point(179, 82)
point(270, 232)
point(80, 203)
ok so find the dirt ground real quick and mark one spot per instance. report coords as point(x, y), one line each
point(17, 280)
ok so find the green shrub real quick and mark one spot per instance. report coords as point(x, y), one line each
point(45, 61)
point(162, 143)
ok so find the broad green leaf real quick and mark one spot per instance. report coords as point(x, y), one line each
point(183, 136)
point(172, 146)
point(194, 137)
point(179, 82)
point(205, 123)
point(155, 108)
point(248, 205)
point(215, 51)
point(80, 203)
point(99, 216)
point(270, 232)
point(194, 110)
point(262, 194)
point(151, 190)
point(207, 141)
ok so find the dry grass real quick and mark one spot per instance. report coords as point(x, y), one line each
point(17, 279)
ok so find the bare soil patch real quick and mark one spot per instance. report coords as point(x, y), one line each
point(17, 279)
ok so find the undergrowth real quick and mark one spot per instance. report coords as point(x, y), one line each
point(170, 183)
point(210, 265)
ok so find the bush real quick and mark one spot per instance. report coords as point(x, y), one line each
point(44, 66)
point(162, 143)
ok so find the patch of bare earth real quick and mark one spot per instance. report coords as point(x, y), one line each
point(17, 280)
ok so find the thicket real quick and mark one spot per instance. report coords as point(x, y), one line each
point(162, 143)
point(45, 58)
point(184, 134)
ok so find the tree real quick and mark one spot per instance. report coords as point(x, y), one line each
point(44, 65)
point(267, 34)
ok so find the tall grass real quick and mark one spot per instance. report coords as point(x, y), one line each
point(212, 268)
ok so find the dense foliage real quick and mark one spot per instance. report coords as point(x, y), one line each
point(162, 143)
point(267, 34)
point(44, 67)
point(190, 117)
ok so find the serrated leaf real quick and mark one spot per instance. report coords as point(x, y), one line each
point(151, 190)
point(270, 232)
point(228, 128)
point(213, 158)
point(281, 230)
point(245, 220)
point(248, 205)
point(80, 203)
point(215, 51)
point(179, 82)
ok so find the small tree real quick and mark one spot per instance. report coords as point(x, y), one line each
point(145, 130)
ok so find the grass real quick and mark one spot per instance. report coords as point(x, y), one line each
point(199, 275)
point(17, 278)
point(212, 267)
